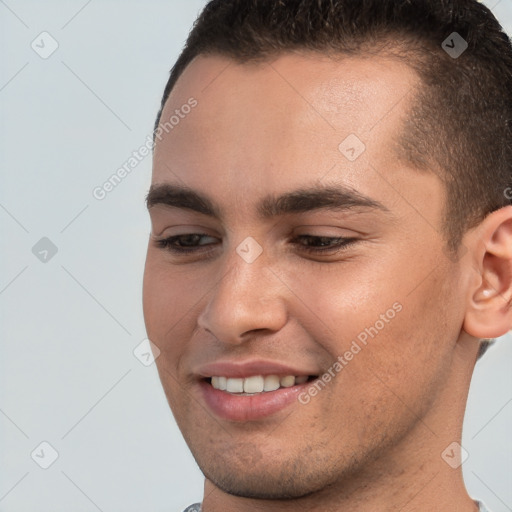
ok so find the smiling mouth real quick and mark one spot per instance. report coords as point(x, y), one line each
point(257, 384)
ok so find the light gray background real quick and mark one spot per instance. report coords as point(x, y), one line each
point(69, 326)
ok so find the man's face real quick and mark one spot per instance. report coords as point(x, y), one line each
point(390, 297)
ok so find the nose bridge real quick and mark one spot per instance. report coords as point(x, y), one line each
point(247, 297)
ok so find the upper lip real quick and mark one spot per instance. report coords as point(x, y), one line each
point(242, 369)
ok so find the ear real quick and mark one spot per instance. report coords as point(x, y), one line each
point(489, 311)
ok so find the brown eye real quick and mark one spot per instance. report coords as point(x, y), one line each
point(323, 244)
point(187, 243)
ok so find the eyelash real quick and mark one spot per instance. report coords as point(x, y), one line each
point(343, 243)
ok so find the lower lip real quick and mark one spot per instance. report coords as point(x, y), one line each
point(248, 408)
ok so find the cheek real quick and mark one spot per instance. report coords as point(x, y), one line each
point(410, 356)
point(166, 301)
point(154, 300)
point(343, 303)
point(380, 320)
point(165, 308)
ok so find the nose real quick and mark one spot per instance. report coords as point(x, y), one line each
point(248, 297)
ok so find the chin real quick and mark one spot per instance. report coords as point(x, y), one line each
point(265, 478)
point(262, 485)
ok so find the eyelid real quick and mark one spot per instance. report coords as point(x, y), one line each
point(182, 229)
point(325, 230)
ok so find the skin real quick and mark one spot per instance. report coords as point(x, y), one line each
point(373, 438)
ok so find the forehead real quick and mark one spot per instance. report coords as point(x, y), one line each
point(263, 126)
point(335, 81)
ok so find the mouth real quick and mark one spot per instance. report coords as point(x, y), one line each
point(254, 397)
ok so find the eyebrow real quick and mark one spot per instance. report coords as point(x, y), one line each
point(336, 198)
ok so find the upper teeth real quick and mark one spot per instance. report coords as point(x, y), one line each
point(256, 383)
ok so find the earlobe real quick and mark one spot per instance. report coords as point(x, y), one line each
point(489, 311)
